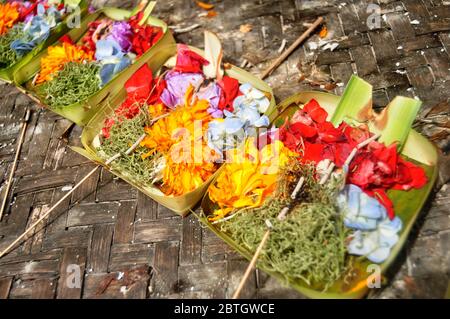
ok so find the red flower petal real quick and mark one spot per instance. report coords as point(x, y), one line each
point(417, 176)
point(313, 152)
point(66, 39)
point(329, 134)
point(317, 113)
point(301, 116)
point(341, 152)
point(303, 130)
point(189, 61)
point(362, 169)
point(384, 200)
point(140, 83)
point(230, 90)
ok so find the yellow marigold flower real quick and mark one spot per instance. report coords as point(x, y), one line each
point(248, 178)
point(183, 175)
point(168, 130)
point(8, 16)
point(59, 55)
point(157, 110)
point(189, 162)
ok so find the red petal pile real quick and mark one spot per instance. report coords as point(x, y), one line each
point(230, 90)
point(26, 11)
point(379, 168)
point(188, 61)
point(375, 169)
point(141, 89)
point(88, 40)
point(144, 36)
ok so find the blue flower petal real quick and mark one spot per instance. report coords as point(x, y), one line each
point(379, 255)
point(40, 10)
point(108, 49)
point(249, 115)
point(238, 102)
point(124, 63)
point(360, 223)
point(106, 73)
point(227, 113)
point(245, 88)
point(233, 125)
point(263, 121)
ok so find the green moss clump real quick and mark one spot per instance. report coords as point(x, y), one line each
point(124, 133)
point(74, 83)
point(8, 56)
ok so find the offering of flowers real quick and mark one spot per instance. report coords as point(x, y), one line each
point(350, 203)
point(26, 24)
point(181, 113)
point(73, 71)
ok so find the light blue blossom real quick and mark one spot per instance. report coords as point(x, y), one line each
point(108, 50)
point(225, 134)
point(109, 53)
point(37, 29)
point(360, 210)
point(251, 97)
point(375, 233)
point(242, 122)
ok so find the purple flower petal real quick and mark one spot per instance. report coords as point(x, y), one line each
point(177, 85)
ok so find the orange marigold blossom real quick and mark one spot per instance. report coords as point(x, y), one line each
point(167, 131)
point(157, 110)
point(8, 16)
point(184, 174)
point(59, 55)
point(248, 178)
point(189, 162)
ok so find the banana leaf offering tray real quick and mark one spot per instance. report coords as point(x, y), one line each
point(338, 185)
point(176, 112)
point(92, 61)
point(28, 28)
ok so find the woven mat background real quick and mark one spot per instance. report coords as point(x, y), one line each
point(127, 246)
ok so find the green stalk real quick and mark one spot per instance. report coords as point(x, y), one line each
point(355, 103)
point(395, 122)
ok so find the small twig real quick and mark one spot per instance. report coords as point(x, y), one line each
point(327, 175)
point(29, 229)
point(281, 216)
point(186, 29)
point(47, 213)
point(297, 188)
point(251, 265)
point(16, 159)
point(360, 146)
point(153, 120)
point(282, 46)
point(293, 46)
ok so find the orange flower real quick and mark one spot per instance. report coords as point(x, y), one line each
point(168, 130)
point(248, 178)
point(157, 110)
point(8, 16)
point(181, 177)
point(189, 162)
point(58, 56)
